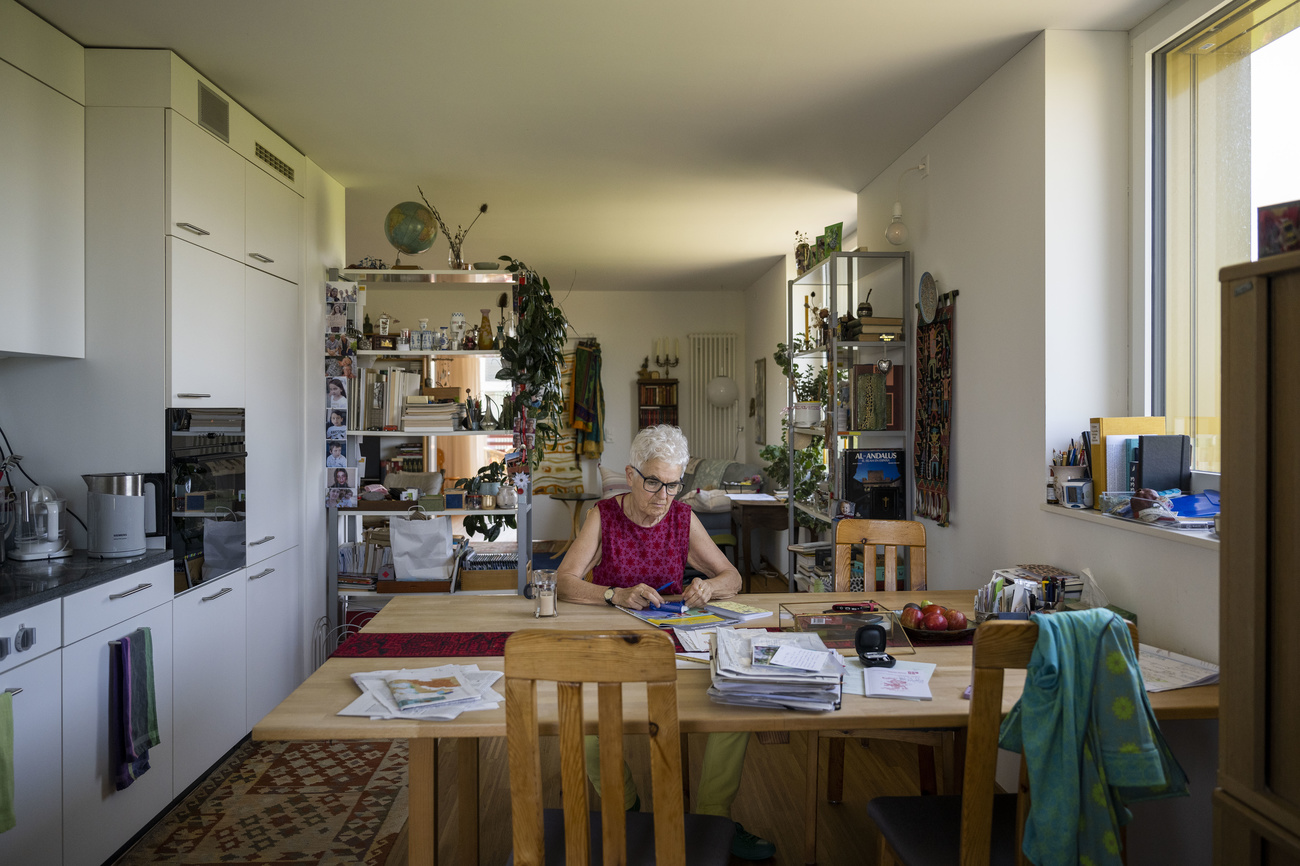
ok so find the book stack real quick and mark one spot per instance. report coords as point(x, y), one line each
point(421, 416)
point(792, 670)
point(875, 329)
point(410, 457)
point(360, 561)
point(813, 566)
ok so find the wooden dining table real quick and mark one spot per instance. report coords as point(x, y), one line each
point(311, 711)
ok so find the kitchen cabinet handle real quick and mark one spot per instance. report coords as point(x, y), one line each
point(193, 396)
point(191, 227)
point(261, 258)
point(217, 595)
point(139, 588)
point(261, 574)
point(263, 540)
point(14, 691)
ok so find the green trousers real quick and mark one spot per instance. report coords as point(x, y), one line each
point(724, 759)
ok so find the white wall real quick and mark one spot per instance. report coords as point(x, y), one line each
point(625, 323)
point(1025, 213)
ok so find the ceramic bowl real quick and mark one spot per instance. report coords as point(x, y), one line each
point(486, 266)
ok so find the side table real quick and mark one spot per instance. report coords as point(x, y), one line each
point(574, 501)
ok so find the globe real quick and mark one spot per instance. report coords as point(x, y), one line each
point(410, 227)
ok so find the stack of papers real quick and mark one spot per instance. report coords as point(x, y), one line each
point(793, 670)
point(737, 610)
point(665, 618)
point(430, 694)
point(1163, 670)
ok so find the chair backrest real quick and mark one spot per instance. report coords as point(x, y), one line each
point(608, 659)
point(1000, 645)
point(892, 534)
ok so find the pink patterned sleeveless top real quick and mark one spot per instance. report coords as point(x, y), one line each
point(632, 554)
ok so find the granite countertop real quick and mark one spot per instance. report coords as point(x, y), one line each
point(27, 584)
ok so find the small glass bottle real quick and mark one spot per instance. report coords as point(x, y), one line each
point(544, 594)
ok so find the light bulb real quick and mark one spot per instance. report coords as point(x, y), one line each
point(896, 232)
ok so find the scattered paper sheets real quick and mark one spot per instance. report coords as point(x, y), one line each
point(737, 680)
point(1163, 670)
point(377, 702)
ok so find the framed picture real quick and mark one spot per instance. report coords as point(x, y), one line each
point(385, 342)
point(834, 237)
point(759, 411)
point(870, 405)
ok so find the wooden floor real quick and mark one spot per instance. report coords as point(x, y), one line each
point(769, 804)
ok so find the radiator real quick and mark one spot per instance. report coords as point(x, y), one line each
point(713, 432)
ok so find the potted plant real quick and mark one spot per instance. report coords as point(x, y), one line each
point(487, 480)
point(810, 390)
point(534, 360)
point(809, 472)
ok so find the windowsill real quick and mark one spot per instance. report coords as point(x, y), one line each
point(1207, 539)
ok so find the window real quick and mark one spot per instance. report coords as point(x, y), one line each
point(1226, 133)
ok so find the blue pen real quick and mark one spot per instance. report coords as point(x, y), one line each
point(665, 586)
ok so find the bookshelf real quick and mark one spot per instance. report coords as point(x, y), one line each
point(656, 402)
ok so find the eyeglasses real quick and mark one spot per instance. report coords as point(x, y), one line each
point(653, 485)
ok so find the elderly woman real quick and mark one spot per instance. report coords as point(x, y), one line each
point(637, 545)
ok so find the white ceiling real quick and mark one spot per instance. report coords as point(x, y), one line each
point(671, 145)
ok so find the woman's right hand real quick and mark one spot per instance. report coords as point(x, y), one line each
point(637, 597)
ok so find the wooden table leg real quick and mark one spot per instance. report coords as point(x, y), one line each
point(467, 800)
point(422, 791)
point(810, 801)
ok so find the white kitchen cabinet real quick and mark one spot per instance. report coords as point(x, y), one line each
point(209, 659)
point(274, 417)
point(205, 189)
point(205, 328)
point(42, 223)
point(29, 669)
point(275, 645)
point(272, 225)
point(99, 819)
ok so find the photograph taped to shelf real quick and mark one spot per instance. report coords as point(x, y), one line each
point(336, 454)
point(336, 393)
point(341, 292)
point(341, 477)
point(341, 497)
point(337, 316)
point(336, 421)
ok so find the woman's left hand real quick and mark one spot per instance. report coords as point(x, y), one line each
point(699, 592)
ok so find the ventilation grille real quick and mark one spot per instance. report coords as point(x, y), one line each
point(274, 161)
point(214, 113)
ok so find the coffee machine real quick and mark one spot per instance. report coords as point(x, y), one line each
point(115, 507)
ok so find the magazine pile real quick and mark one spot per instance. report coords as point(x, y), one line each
point(426, 694)
point(793, 670)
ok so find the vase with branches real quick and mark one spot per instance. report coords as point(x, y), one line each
point(454, 259)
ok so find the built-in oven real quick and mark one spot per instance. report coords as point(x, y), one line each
point(206, 460)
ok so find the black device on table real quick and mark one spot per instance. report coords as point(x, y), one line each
point(870, 645)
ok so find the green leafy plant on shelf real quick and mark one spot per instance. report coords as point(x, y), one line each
point(809, 472)
point(487, 525)
point(809, 382)
point(534, 359)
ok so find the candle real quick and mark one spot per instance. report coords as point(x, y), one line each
point(675, 352)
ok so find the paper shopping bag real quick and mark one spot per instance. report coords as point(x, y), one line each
point(421, 547)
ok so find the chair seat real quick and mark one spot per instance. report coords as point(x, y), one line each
point(708, 839)
point(926, 831)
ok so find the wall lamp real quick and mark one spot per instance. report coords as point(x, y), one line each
point(896, 231)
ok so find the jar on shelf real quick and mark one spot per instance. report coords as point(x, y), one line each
point(485, 330)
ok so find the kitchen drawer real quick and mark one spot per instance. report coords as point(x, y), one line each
point(92, 610)
point(29, 634)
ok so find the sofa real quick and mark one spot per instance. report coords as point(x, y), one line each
point(703, 482)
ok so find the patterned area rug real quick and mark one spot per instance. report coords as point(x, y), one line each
point(288, 803)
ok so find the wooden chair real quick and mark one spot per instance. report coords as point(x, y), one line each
point(935, 748)
point(891, 534)
point(979, 826)
point(610, 659)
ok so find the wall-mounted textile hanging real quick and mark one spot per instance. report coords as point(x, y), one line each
point(935, 354)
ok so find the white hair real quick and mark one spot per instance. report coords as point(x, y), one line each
point(662, 442)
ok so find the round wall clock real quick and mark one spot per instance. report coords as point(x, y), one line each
point(927, 297)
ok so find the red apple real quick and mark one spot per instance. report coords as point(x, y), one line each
point(931, 608)
point(911, 617)
point(956, 620)
point(935, 622)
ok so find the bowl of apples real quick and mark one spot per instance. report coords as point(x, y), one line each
point(929, 621)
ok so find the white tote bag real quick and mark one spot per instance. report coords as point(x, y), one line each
point(421, 546)
point(224, 543)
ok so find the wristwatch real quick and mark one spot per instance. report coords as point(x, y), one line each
point(609, 596)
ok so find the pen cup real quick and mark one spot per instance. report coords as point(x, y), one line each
point(544, 594)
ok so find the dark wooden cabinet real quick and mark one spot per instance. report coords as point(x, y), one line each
point(1257, 801)
point(656, 402)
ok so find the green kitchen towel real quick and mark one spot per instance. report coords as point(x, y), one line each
point(144, 707)
point(7, 819)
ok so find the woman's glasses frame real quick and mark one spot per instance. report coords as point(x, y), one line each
point(654, 485)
